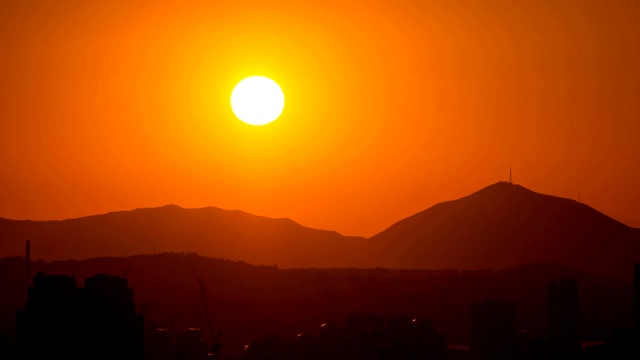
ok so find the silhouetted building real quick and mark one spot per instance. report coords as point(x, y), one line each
point(562, 319)
point(144, 309)
point(163, 344)
point(49, 324)
point(6, 350)
point(364, 337)
point(492, 330)
point(28, 264)
point(636, 296)
point(358, 323)
point(110, 315)
point(190, 345)
point(625, 342)
point(63, 321)
point(529, 346)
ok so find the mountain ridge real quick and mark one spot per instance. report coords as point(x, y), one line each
point(503, 225)
point(169, 207)
point(209, 231)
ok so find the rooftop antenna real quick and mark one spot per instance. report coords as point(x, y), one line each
point(510, 178)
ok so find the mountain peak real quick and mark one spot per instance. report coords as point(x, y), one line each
point(504, 225)
point(505, 187)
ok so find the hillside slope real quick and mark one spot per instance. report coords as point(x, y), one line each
point(208, 231)
point(507, 225)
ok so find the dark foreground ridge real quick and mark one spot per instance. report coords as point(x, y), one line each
point(162, 310)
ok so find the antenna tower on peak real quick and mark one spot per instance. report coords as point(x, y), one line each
point(510, 178)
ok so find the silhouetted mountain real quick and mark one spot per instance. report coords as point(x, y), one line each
point(502, 225)
point(208, 231)
point(505, 225)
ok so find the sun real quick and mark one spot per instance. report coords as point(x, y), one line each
point(257, 100)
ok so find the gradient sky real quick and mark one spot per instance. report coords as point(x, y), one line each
point(391, 106)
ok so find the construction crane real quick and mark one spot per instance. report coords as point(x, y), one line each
point(215, 340)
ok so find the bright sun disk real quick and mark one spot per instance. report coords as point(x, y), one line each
point(257, 100)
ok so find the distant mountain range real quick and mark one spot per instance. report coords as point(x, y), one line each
point(500, 226)
point(209, 231)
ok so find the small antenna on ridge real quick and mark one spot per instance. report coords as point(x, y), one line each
point(510, 178)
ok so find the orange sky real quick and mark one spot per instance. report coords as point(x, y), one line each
point(391, 106)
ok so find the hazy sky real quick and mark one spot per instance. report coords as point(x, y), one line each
point(391, 106)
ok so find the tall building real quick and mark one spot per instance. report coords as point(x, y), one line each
point(61, 320)
point(110, 315)
point(49, 323)
point(492, 330)
point(190, 345)
point(636, 296)
point(27, 259)
point(562, 318)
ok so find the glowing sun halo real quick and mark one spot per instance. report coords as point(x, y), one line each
point(257, 100)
